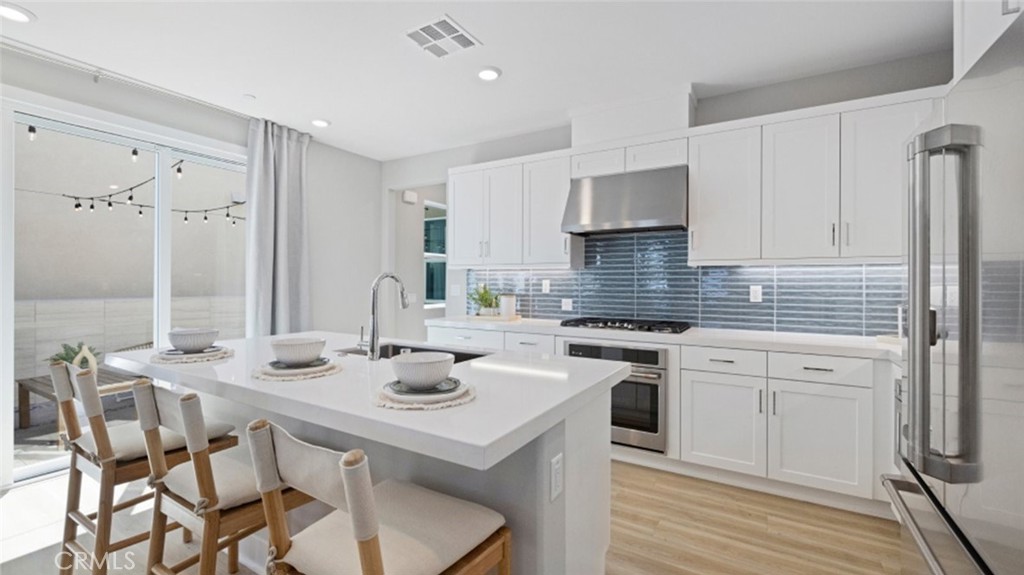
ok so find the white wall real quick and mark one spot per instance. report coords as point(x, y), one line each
point(409, 259)
point(886, 78)
point(429, 169)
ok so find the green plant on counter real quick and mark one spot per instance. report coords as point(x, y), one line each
point(69, 352)
point(483, 297)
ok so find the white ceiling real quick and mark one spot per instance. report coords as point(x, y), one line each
point(352, 64)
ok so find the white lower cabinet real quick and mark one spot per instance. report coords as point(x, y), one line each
point(723, 421)
point(820, 435)
point(480, 338)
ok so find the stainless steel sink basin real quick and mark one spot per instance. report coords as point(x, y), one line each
point(389, 350)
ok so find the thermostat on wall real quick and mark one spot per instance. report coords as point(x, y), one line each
point(410, 197)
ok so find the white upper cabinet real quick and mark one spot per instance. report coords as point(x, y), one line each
point(874, 177)
point(466, 218)
point(656, 155)
point(977, 24)
point(725, 196)
point(545, 191)
point(599, 163)
point(800, 215)
point(503, 237)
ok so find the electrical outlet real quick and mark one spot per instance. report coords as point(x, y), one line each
point(545, 286)
point(755, 294)
point(456, 289)
point(567, 304)
point(557, 476)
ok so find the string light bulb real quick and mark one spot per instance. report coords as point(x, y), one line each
point(135, 155)
point(206, 220)
point(227, 214)
point(110, 204)
point(234, 221)
point(92, 205)
point(179, 172)
point(186, 217)
point(131, 195)
point(31, 133)
point(78, 205)
point(140, 212)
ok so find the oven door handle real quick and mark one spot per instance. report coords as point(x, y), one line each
point(646, 375)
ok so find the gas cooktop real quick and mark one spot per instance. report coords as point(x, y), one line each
point(628, 324)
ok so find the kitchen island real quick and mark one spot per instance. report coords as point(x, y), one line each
point(497, 450)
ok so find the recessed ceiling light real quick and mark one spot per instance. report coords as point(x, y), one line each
point(321, 123)
point(15, 13)
point(249, 97)
point(114, 186)
point(489, 74)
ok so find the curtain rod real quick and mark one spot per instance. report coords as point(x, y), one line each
point(99, 73)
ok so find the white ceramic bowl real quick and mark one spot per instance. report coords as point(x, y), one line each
point(192, 339)
point(298, 350)
point(422, 369)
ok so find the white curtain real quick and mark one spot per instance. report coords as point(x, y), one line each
point(277, 270)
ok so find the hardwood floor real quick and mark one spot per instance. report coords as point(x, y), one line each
point(668, 524)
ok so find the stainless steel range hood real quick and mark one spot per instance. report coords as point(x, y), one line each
point(648, 200)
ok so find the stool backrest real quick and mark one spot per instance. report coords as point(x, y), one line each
point(86, 391)
point(280, 460)
point(183, 414)
point(60, 376)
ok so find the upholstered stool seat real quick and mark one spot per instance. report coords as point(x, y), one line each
point(422, 532)
point(129, 442)
point(232, 469)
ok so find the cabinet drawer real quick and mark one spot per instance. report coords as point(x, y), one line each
point(481, 338)
point(724, 360)
point(529, 342)
point(656, 155)
point(599, 163)
point(853, 371)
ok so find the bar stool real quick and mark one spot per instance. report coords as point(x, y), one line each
point(422, 532)
point(110, 455)
point(215, 496)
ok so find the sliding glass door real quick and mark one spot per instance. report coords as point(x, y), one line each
point(116, 240)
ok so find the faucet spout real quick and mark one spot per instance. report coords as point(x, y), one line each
point(373, 352)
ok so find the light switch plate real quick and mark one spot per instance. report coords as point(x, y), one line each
point(756, 294)
point(557, 476)
point(413, 297)
point(567, 304)
point(545, 286)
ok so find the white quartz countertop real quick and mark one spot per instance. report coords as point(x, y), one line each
point(519, 396)
point(820, 344)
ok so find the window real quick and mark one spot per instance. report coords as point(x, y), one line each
point(434, 252)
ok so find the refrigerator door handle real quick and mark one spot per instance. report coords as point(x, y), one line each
point(894, 484)
point(961, 142)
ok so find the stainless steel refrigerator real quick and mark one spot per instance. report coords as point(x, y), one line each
point(960, 406)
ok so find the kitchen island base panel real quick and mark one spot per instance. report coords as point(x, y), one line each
point(568, 535)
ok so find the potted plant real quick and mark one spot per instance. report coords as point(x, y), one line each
point(485, 300)
point(69, 352)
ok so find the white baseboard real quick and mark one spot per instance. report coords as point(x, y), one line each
point(871, 507)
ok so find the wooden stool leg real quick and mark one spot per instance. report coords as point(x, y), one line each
point(157, 533)
point(233, 558)
point(104, 519)
point(70, 527)
point(24, 405)
point(186, 535)
point(208, 549)
point(505, 567)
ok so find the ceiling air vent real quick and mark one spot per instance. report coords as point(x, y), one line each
point(442, 37)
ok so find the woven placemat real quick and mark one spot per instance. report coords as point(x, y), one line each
point(388, 403)
point(193, 358)
point(270, 374)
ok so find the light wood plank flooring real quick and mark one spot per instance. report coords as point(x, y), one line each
point(668, 524)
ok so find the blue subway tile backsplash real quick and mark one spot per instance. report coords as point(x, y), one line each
point(645, 276)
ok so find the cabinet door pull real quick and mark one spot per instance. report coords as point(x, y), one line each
point(565, 245)
point(821, 369)
point(833, 233)
point(463, 337)
point(715, 360)
point(847, 234)
point(527, 343)
point(760, 401)
point(775, 404)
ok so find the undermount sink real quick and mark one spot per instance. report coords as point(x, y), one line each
point(389, 350)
